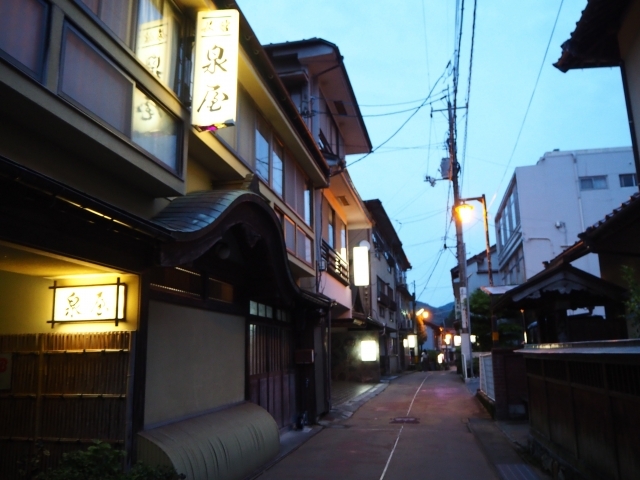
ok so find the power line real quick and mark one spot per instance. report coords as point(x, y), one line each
point(535, 86)
point(403, 124)
point(466, 118)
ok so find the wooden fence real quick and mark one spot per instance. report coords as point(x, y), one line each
point(66, 391)
point(584, 405)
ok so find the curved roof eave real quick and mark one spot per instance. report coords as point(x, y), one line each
point(198, 221)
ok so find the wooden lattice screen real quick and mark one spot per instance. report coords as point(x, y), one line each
point(66, 391)
point(271, 373)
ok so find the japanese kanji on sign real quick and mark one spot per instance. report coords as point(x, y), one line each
point(216, 70)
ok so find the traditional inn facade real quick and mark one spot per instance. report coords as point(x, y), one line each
point(160, 278)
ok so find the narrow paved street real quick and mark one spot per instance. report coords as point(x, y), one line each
point(375, 443)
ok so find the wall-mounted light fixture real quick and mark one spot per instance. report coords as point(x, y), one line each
point(473, 338)
point(405, 343)
point(457, 340)
point(412, 340)
point(447, 339)
point(368, 350)
point(89, 303)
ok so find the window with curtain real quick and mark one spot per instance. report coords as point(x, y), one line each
point(92, 82)
point(155, 129)
point(157, 39)
point(150, 27)
point(23, 28)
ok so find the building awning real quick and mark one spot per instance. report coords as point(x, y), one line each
point(227, 444)
point(564, 283)
point(497, 290)
point(41, 212)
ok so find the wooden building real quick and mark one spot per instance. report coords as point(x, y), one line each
point(157, 278)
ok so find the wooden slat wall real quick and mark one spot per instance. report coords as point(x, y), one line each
point(271, 378)
point(588, 410)
point(66, 390)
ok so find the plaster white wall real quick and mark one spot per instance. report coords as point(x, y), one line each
point(553, 209)
point(195, 362)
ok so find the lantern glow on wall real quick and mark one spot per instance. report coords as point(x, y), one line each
point(368, 350)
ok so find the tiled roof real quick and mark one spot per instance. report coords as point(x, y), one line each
point(614, 215)
point(197, 210)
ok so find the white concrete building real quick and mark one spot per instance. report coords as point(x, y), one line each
point(548, 204)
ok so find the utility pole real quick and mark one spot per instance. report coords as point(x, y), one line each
point(454, 170)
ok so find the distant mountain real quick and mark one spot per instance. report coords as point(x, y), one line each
point(438, 314)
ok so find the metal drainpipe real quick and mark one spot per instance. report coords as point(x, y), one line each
point(575, 168)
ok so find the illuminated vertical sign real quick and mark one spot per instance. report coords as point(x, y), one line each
point(215, 81)
point(360, 266)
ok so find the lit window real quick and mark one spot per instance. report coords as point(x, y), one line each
point(94, 83)
point(628, 180)
point(593, 183)
point(157, 39)
point(155, 129)
point(157, 32)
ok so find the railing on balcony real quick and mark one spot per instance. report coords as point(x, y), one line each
point(336, 266)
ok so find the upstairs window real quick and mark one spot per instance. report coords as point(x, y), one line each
point(628, 180)
point(91, 81)
point(23, 33)
point(593, 183)
point(263, 139)
point(277, 167)
point(115, 14)
point(269, 155)
point(297, 189)
point(151, 28)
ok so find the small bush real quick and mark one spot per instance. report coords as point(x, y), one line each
point(102, 462)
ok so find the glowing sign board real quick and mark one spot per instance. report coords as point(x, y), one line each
point(83, 303)
point(215, 81)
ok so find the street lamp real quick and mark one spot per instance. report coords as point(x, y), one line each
point(464, 213)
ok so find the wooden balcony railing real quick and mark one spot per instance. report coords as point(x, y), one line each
point(336, 266)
